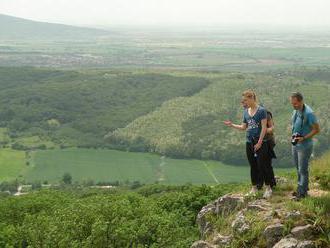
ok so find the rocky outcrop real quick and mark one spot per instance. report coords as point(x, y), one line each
point(236, 207)
point(222, 206)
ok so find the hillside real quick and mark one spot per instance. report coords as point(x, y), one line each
point(194, 124)
point(169, 216)
point(177, 114)
point(12, 28)
point(47, 108)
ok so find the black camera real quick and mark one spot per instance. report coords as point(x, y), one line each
point(294, 138)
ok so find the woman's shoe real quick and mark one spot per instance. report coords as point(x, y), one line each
point(268, 193)
point(253, 192)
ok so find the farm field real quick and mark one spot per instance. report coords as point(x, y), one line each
point(11, 163)
point(111, 166)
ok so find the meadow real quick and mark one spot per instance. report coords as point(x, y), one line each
point(101, 165)
point(12, 164)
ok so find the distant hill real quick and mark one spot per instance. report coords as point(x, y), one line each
point(19, 28)
point(193, 126)
point(177, 114)
point(79, 108)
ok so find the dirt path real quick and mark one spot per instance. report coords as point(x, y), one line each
point(210, 172)
point(160, 170)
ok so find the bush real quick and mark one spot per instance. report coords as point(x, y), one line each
point(67, 178)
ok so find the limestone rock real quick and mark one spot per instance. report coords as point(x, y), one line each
point(292, 215)
point(240, 224)
point(223, 205)
point(286, 243)
point(202, 244)
point(273, 234)
point(208, 230)
point(222, 241)
point(259, 205)
point(201, 218)
point(302, 232)
point(228, 203)
point(306, 244)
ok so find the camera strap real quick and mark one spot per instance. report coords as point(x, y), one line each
point(302, 117)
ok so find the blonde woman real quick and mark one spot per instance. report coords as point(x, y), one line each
point(257, 150)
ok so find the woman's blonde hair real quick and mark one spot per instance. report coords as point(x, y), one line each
point(250, 94)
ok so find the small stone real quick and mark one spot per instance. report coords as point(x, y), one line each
point(316, 185)
point(201, 244)
point(257, 207)
point(286, 243)
point(302, 232)
point(274, 230)
point(263, 207)
point(281, 180)
point(306, 244)
point(293, 215)
point(273, 234)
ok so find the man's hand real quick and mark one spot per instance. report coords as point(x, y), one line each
point(300, 139)
point(257, 146)
point(228, 123)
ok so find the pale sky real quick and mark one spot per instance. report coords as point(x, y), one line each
point(173, 12)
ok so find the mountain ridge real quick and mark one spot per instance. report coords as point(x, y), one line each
point(12, 27)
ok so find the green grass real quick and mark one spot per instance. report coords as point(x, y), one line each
point(321, 171)
point(196, 171)
point(111, 165)
point(98, 165)
point(12, 164)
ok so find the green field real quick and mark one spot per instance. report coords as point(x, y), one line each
point(111, 165)
point(11, 164)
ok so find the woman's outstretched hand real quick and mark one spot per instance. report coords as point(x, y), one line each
point(228, 123)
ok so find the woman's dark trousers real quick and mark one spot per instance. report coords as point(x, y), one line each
point(260, 165)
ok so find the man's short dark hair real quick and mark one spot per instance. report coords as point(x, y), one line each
point(298, 96)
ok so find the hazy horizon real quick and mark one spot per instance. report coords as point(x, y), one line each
point(301, 14)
